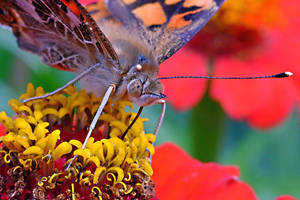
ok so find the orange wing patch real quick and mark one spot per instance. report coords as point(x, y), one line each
point(204, 4)
point(171, 2)
point(98, 10)
point(178, 20)
point(129, 1)
point(151, 14)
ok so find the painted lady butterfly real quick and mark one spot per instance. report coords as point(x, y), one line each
point(115, 46)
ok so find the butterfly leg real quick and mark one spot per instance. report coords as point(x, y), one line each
point(132, 122)
point(95, 119)
point(160, 120)
point(77, 78)
point(161, 117)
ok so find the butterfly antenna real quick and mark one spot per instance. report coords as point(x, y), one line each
point(280, 75)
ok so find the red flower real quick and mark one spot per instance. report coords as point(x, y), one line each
point(2, 130)
point(286, 197)
point(247, 42)
point(178, 176)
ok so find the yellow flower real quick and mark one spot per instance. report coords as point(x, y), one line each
point(46, 134)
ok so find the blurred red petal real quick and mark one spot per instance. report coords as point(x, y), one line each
point(263, 103)
point(178, 176)
point(237, 191)
point(285, 197)
point(2, 130)
point(184, 93)
point(84, 2)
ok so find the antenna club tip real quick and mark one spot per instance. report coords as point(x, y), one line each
point(288, 74)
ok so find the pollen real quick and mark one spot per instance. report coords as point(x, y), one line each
point(45, 134)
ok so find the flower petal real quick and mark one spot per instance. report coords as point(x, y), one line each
point(178, 176)
point(2, 130)
point(285, 197)
point(62, 149)
point(263, 103)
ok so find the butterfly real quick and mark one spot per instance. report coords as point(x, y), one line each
point(115, 46)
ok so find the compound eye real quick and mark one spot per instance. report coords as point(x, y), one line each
point(135, 88)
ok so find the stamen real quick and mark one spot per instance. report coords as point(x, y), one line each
point(73, 192)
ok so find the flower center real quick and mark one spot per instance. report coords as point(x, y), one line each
point(47, 133)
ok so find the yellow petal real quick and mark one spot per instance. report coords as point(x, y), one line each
point(94, 160)
point(24, 127)
point(108, 149)
point(33, 150)
point(115, 132)
point(10, 137)
point(63, 112)
point(119, 173)
point(134, 151)
point(150, 148)
point(25, 109)
point(98, 172)
point(50, 111)
point(29, 92)
point(41, 130)
point(52, 139)
point(119, 158)
point(84, 153)
point(145, 165)
point(60, 98)
point(90, 142)
point(14, 104)
point(107, 117)
point(6, 121)
point(99, 151)
point(119, 125)
point(62, 149)
point(38, 115)
point(22, 141)
point(42, 142)
point(123, 104)
point(31, 120)
point(76, 143)
point(70, 90)
point(150, 138)
point(39, 91)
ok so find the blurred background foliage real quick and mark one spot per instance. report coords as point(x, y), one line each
point(269, 161)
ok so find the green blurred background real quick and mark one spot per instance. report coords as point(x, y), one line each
point(269, 161)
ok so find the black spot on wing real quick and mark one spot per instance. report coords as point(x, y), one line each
point(188, 9)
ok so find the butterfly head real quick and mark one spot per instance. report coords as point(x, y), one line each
point(143, 88)
point(145, 93)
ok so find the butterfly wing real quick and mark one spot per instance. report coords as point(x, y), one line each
point(164, 25)
point(61, 32)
